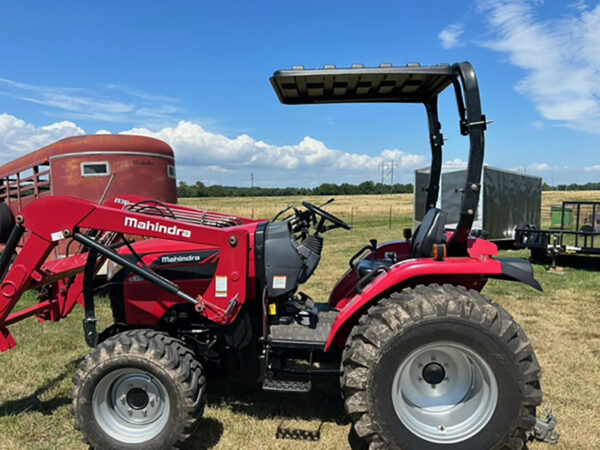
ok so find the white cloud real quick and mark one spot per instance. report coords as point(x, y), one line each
point(308, 162)
point(594, 168)
point(560, 58)
point(537, 124)
point(539, 166)
point(457, 162)
point(196, 146)
point(450, 35)
point(215, 158)
point(82, 104)
point(18, 137)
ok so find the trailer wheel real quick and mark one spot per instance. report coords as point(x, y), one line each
point(139, 388)
point(440, 367)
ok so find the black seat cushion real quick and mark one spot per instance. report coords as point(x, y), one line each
point(431, 231)
point(365, 266)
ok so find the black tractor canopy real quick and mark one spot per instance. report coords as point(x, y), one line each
point(409, 84)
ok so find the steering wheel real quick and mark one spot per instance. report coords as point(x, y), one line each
point(325, 215)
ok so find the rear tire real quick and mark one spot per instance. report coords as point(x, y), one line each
point(440, 367)
point(138, 389)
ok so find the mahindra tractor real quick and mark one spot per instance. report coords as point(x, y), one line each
point(424, 359)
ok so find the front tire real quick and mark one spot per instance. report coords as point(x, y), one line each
point(440, 367)
point(138, 389)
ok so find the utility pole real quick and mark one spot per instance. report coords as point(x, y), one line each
point(392, 165)
point(252, 180)
point(383, 167)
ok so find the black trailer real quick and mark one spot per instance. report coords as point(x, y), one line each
point(508, 199)
point(574, 229)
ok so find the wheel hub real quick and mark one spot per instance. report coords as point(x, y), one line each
point(131, 405)
point(444, 392)
point(434, 373)
point(137, 398)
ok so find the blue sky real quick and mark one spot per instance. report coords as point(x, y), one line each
point(196, 75)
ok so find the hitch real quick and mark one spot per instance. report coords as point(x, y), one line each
point(544, 429)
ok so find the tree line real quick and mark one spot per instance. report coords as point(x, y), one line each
point(572, 187)
point(199, 189)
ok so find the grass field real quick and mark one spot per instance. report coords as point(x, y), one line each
point(562, 323)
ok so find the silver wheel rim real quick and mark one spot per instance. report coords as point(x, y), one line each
point(448, 405)
point(131, 405)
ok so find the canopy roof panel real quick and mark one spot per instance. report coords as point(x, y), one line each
point(410, 84)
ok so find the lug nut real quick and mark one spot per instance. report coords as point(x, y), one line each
point(420, 380)
point(130, 411)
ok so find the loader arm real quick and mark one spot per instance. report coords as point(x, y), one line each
point(47, 221)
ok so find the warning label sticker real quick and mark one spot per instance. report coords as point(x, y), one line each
point(279, 281)
point(220, 286)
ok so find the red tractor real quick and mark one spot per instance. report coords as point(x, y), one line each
point(424, 359)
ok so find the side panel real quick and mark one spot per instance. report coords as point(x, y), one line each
point(128, 170)
point(510, 199)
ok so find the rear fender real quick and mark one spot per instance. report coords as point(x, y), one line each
point(471, 272)
point(518, 269)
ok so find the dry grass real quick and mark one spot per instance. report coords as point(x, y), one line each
point(562, 323)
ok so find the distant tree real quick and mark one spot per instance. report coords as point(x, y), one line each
point(199, 189)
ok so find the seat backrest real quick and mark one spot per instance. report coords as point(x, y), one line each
point(431, 231)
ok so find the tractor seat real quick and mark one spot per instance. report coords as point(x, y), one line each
point(366, 266)
point(430, 232)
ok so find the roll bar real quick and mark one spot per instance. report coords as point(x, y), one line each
point(411, 84)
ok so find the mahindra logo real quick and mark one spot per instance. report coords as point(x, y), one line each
point(157, 227)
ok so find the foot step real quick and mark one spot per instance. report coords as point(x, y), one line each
point(286, 385)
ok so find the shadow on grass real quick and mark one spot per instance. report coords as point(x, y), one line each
point(33, 402)
point(207, 435)
point(323, 404)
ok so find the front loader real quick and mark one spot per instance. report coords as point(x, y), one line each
point(425, 360)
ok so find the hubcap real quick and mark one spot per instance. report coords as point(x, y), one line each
point(434, 373)
point(137, 398)
point(131, 405)
point(444, 392)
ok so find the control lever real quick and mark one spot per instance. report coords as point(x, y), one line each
point(331, 200)
point(372, 247)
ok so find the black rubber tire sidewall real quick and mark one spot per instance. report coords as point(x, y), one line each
point(7, 222)
point(97, 437)
point(490, 348)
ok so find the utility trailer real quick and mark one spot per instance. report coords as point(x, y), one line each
point(574, 230)
point(425, 360)
point(508, 199)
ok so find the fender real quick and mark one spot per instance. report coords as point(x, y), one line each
point(471, 271)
